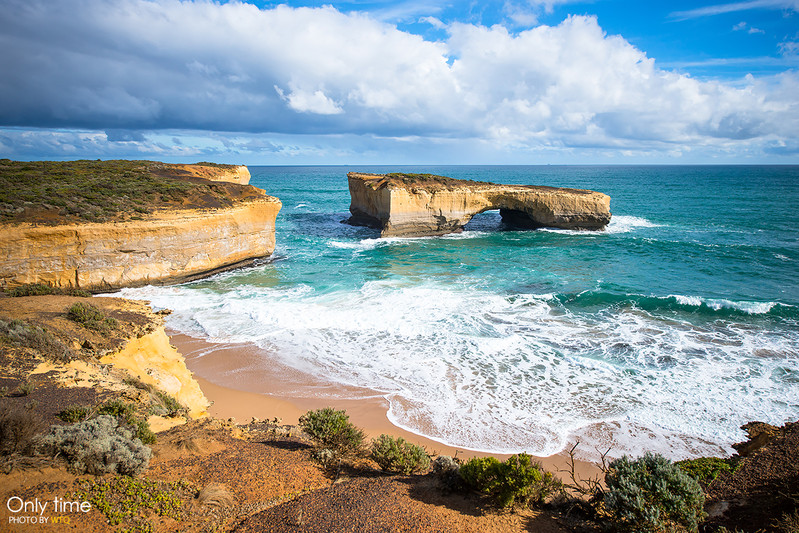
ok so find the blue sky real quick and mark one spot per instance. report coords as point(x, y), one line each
point(414, 82)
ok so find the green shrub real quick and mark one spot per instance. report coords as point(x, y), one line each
point(97, 446)
point(117, 408)
point(705, 469)
point(166, 405)
point(518, 480)
point(74, 413)
point(143, 431)
point(90, 317)
point(333, 430)
point(652, 494)
point(127, 412)
point(40, 289)
point(399, 456)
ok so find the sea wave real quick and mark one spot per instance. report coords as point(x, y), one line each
point(675, 302)
point(519, 372)
point(617, 224)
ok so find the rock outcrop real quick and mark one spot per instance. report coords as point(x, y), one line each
point(411, 205)
point(170, 245)
point(230, 173)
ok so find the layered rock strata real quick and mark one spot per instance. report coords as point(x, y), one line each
point(421, 205)
point(169, 247)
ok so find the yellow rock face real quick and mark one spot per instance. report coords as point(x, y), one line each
point(239, 174)
point(407, 209)
point(154, 361)
point(167, 247)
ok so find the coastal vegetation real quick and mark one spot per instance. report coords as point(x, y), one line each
point(89, 316)
point(41, 289)
point(651, 493)
point(49, 192)
point(410, 178)
point(396, 455)
point(516, 481)
point(97, 446)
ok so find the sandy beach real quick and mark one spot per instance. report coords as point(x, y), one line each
point(268, 390)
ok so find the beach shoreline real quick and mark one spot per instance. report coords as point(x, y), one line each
point(276, 391)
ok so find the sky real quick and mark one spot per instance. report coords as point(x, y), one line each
point(412, 82)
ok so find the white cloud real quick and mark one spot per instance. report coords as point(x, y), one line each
point(744, 26)
point(307, 102)
point(175, 65)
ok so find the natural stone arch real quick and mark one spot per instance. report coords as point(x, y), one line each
point(410, 205)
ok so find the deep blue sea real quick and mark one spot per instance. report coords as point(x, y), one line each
point(666, 331)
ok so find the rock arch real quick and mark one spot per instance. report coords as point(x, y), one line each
point(411, 205)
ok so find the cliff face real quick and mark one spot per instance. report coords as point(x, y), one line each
point(409, 207)
point(239, 174)
point(169, 247)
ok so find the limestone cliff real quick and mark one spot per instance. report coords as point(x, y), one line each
point(239, 174)
point(418, 205)
point(208, 229)
point(169, 247)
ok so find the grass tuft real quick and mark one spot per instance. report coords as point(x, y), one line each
point(89, 316)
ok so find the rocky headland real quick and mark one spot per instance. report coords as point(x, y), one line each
point(105, 225)
point(413, 205)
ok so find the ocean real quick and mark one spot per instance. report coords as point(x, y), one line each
point(664, 332)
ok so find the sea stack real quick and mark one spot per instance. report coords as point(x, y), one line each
point(415, 205)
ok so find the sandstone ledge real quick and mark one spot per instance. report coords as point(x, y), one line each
point(421, 205)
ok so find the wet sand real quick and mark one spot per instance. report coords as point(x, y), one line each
point(243, 382)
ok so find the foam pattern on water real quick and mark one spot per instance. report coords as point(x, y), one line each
point(522, 372)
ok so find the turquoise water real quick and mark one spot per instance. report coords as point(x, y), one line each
point(666, 331)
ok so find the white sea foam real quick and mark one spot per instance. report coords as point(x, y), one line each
point(617, 224)
point(626, 223)
point(752, 308)
point(515, 373)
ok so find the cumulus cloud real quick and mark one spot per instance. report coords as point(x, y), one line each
point(128, 66)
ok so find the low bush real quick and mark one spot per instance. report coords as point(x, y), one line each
point(165, 405)
point(333, 430)
point(40, 289)
point(127, 412)
point(399, 456)
point(90, 317)
point(518, 480)
point(18, 427)
point(74, 413)
point(652, 494)
point(97, 446)
point(447, 471)
point(705, 469)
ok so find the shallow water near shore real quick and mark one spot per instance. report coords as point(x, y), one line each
point(666, 331)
